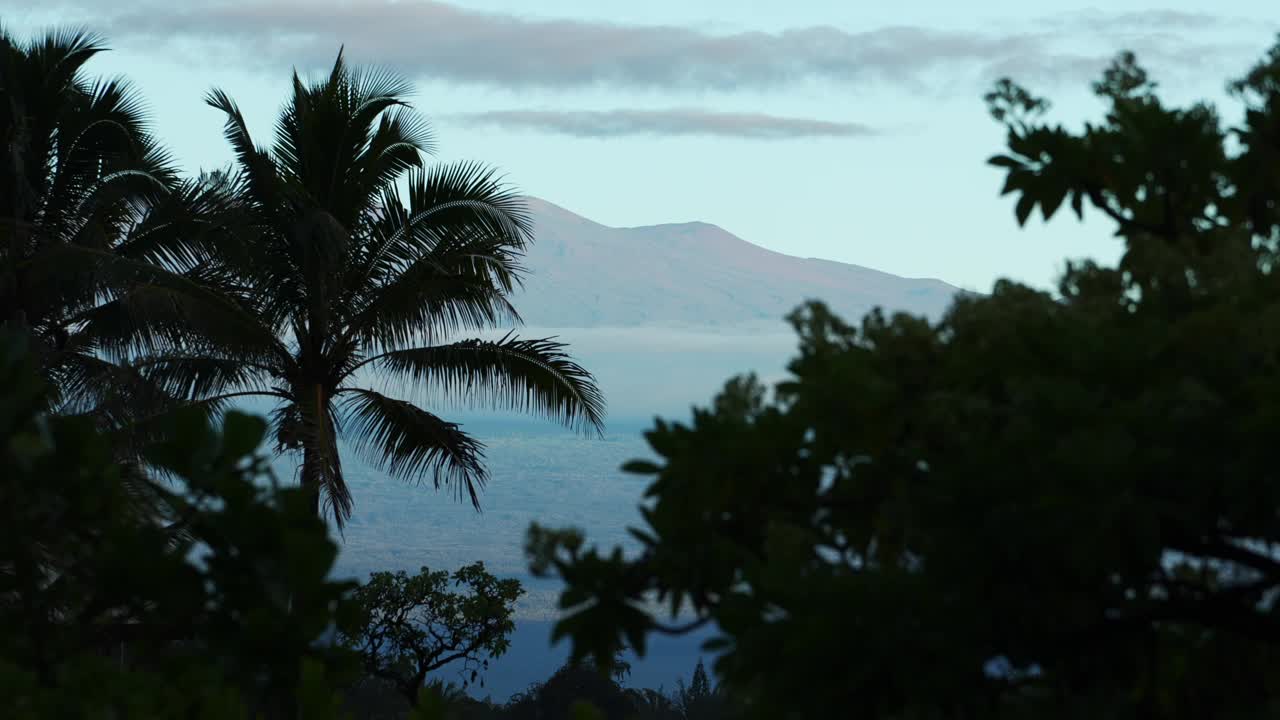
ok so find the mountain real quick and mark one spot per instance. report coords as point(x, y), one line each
point(690, 275)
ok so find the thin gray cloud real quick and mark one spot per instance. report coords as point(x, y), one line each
point(678, 121)
point(439, 40)
point(1151, 20)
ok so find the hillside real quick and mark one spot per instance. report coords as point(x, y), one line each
point(584, 274)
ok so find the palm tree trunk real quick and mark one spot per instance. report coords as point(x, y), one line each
point(309, 479)
point(313, 431)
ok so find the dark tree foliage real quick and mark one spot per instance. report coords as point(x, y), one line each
point(407, 627)
point(699, 700)
point(650, 704)
point(575, 690)
point(103, 249)
point(108, 617)
point(586, 690)
point(1043, 505)
point(355, 264)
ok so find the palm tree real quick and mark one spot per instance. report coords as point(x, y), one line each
point(103, 250)
point(77, 163)
point(102, 255)
point(356, 262)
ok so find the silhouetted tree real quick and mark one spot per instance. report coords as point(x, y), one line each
point(104, 615)
point(1041, 505)
point(699, 700)
point(103, 249)
point(573, 685)
point(352, 280)
point(408, 627)
point(698, 688)
point(650, 704)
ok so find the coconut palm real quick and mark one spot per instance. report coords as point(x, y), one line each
point(102, 248)
point(102, 255)
point(357, 263)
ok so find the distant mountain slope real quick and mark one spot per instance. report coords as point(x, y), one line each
point(584, 274)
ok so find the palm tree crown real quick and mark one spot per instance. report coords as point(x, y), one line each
point(101, 257)
point(354, 262)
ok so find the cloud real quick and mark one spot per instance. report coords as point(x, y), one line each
point(678, 121)
point(1152, 20)
point(439, 40)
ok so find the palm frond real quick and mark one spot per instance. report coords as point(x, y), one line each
point(177, 232)
point(371, 85)
point(395, 147)
point(433, 298)
point(115, 118)
point(59, 55)
point(255, 163)
point(101, 165)
point(147, 308)
point(112, 393)
point(471, 195)
point(343, 142)
point(410, 443)
point(452, 209)
point(191, 376)
point(109, 207)
point(534, 375)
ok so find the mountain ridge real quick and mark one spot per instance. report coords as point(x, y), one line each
point(583, 273)
point(544, 206)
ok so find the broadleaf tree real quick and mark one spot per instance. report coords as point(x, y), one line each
point(1044, 504)
point(106, 615)
point(407, 627)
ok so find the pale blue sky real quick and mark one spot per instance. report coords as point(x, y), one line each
point(846, 130)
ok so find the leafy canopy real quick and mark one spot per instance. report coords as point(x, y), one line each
point(1042, 505)
point(407, 627)
point(107, 615)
